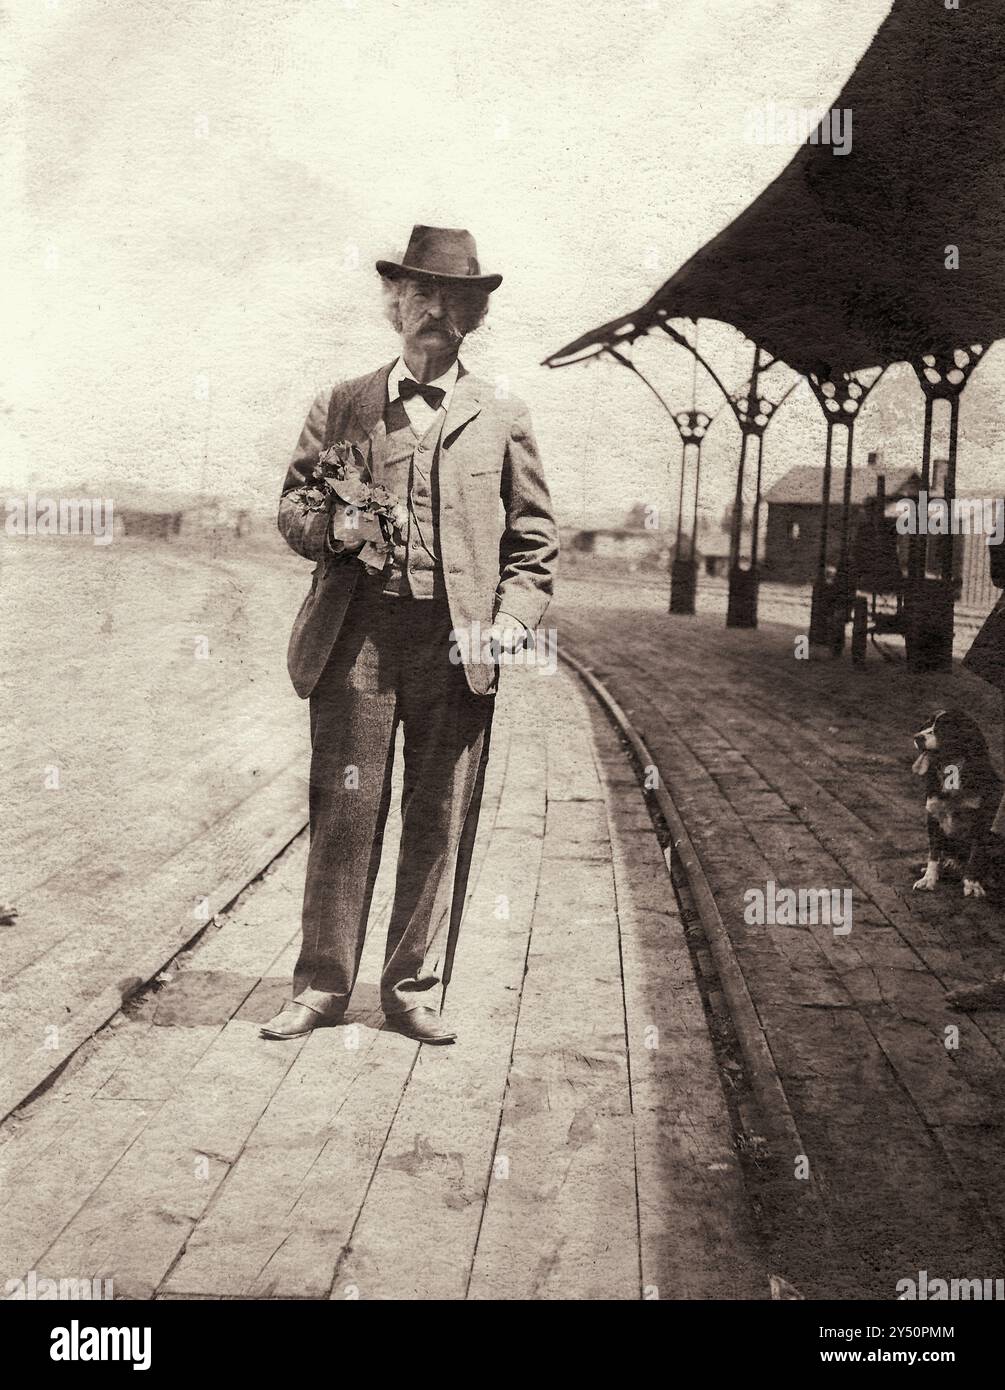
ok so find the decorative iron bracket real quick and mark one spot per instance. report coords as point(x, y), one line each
point(943, 375)
point(692, 425)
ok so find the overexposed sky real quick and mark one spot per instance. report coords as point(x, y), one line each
point(201, 189)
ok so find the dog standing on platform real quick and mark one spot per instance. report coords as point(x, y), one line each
point(962, 794)
point(371, 651)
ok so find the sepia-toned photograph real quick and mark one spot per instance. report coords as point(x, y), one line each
point(502, 593)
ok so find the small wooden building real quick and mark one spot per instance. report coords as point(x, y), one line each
point(792, 537)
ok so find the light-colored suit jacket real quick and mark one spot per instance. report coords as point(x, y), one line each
point(498, 538)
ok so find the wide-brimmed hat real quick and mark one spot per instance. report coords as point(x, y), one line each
point(441, 253)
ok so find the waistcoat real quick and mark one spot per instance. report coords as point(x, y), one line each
point(410, 469)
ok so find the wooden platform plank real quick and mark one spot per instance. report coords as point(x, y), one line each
point(419, 1224)
point(560, 1220)
point(560, 1217)
point(62, 1179)
point(277, 1224)
point(135, 1223)
point(151, 921)
point(263, 920)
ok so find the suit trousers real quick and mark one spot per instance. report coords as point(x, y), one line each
point(390, 664)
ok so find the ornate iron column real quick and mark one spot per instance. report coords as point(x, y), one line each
point(692, 426)
point(841, 398)
point(928, 603)
point(753, 413)
point(741, 608)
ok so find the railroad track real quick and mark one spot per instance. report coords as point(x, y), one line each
point(768, 1137)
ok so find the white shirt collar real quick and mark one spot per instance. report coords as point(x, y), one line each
point(446, 382)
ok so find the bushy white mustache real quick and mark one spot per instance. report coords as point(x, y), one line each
point(445, 325)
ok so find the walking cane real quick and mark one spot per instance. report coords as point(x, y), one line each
point(465, 847)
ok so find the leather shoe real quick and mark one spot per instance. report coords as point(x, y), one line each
point(423, 1025)
point(294, 1020)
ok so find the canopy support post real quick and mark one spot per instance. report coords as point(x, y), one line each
point(755, 538)
point(752, 416)
point(844, 580)
point(820, 601)
point(928, 603)
point(692, 426)
point(840, 397)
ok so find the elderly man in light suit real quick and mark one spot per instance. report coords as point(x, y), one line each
point(370, 651)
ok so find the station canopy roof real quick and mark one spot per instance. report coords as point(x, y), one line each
point(840, 264)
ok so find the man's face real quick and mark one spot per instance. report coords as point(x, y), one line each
point(433, 316)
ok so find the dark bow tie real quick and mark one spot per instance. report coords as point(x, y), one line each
point(432, 395)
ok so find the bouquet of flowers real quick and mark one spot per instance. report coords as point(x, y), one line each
point(365, 516)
